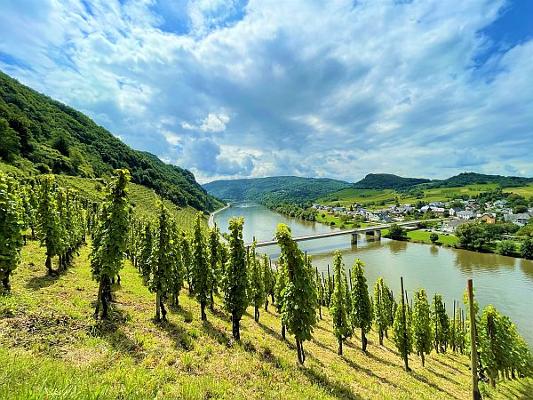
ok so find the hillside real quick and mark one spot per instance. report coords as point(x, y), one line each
point(471, 178)
point(51, 347)
point(39, 134)
point(276, 189)
point(387, 181)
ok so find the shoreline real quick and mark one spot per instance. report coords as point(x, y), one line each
point(211, 220)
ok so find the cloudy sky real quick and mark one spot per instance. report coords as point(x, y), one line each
point(310, 88)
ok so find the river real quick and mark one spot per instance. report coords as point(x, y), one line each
point(505, 282)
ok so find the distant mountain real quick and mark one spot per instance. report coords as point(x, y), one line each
point(276, 189)
point(387, 181)
point(39, 135)
point(470, 178)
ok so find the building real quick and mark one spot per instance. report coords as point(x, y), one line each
point(451, 225)
point(518, 219)
point(466, 214)
point(488, 218)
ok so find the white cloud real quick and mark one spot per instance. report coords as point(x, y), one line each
point(305, 88)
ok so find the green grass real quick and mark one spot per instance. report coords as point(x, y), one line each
point(423, 237)
point(144, 200)
point(50, 347)
point(526, 191)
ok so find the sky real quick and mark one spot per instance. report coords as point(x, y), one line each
point(339, 89)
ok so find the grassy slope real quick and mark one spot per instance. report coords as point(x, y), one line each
point(350, 196)
point(52, 348)
point(143, 199)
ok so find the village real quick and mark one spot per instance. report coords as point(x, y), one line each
point(454, 213)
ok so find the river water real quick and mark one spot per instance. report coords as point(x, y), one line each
point(505, 282)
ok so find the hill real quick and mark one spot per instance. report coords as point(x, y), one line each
point(51, 347)
point(471, 178)
point(387, 181)
point(276, 189)
point(39, 134)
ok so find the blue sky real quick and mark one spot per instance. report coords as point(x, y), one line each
point(312, 88)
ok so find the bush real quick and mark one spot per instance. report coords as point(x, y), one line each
point(434, 237)
point(526, 248)
point(396, 232)
point(505, 247)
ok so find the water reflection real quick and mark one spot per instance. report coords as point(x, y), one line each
point(434, 250)
point(396, 246)
point(526, 266)
point(469, 261)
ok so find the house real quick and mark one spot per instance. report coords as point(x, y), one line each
point(488, 218)
point(517, 219)
point(453, 211)
point(451, 225)
point(465, 214)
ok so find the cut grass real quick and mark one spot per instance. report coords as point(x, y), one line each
point(423, 237)
point(52, 348)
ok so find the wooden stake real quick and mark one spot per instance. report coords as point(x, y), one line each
point(476, 395)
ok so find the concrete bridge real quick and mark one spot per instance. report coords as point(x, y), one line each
point(374, 231)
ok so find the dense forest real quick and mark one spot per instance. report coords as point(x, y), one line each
point(387, 181)
point(41, 135)
point(469, 178)
point(274, 190)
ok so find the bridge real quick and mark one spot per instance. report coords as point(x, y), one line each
point(374, 231)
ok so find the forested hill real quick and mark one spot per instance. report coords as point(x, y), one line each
point(39, 134)
point(469, 178)
point(276, 189)
point(387, 181)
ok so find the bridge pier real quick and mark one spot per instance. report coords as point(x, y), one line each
point(377, 234)
point(354, 239)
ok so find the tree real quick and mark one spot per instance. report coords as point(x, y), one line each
point(214, 260)
point(402, 331)
point(396, 232)
point(49, 228)
point(9, 141)
point(434, 237)
point(281, 284)
point(526, 248)
point(299, 295)
point(146, 255)
point(320, 292)
point(422, 334)
point(339, 311)
point(472, 235)
point(162, 268)
point(178, 272)
point(186, 260)
point(236, 279)
point(383, 308)
point(11, 223)
point(110, 241)
point(441, 323)
point(257, 285)
point(269, 280)
point(505, 247)
point(201, 270)
point(361, 305)
point(492, 337)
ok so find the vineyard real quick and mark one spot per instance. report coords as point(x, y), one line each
point(103, 302)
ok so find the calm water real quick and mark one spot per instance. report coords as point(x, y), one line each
point(505, 282)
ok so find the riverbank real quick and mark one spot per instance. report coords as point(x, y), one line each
point(211, 220)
